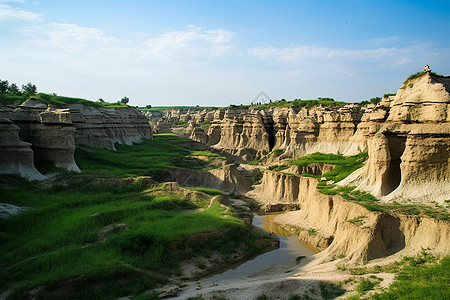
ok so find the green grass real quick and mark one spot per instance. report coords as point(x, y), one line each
point(365, 285)
point(278, 152)
point(208, 154)
point(64, 101)
point(12, 99)
point(162, 108)
point(298, 103)
point(212, 192)
point(58, 101)
point(420, 280)
point(345, 165)
point(278, 167)
point(104, 240)
point(330, 290)
point(418, 74)
point(149, 158)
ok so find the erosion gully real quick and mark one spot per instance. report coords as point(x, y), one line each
point(290, 248)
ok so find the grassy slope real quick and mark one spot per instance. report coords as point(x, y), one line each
point(344, 167)
point(10, 99)
point(102, 241)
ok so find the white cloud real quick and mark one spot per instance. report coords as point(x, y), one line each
point(300, 54)
point(380, 41)
point(7, 13)
point(193, 42)
point(71, 35)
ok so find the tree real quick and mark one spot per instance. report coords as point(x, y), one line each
point(124, 100)
point(29, 89)
point(101, 100)
point(148, 106)
point(3, 86)
point(375, 100)
point(13, 89)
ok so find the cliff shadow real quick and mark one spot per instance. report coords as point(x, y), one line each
point(393, 177)
point(387, 238)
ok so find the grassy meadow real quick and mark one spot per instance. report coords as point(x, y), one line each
point(103, 234)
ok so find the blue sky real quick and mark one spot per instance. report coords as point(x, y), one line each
point(218, 53)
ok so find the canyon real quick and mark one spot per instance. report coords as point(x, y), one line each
point(406, 137)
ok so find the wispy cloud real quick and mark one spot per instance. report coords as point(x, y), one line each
point(191, 43)
point(301, 54)
point(6, 1)
point(7, 13)
point(384, 40)
point(349, 62)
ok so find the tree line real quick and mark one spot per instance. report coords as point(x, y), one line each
point(28, 89)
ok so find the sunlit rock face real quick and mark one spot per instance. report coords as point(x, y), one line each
point(35, 131)
point(105, 126)
point(409, 156)
point(407, 137)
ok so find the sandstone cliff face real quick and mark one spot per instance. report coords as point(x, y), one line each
point(407, 137)
point(409, 157)
point(49, 131)
point(16, 156)
point(35, 131)
point(105, 126)
point(297, 131)
point(375, 235)
point(227, 179)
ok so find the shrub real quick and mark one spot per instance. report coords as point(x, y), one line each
point(364, 286)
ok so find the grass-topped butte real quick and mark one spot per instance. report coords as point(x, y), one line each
point(344, 166)
point(101, 235)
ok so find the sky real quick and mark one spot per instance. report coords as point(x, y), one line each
point(216, 53)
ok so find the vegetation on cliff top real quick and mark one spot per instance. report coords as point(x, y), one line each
point(163, 108)
point(418, 74)
point(10, 94)
point(104, 233)
point(344, 166)
point(299, 103)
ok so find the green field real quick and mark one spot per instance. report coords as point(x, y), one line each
point(103, 234)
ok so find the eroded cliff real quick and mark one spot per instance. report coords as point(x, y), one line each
point(36, 131)
point(407, 137)
point(348, 229)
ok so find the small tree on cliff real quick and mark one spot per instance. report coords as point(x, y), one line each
point(29, 89)
point(124, 100)
point(13, 89)
point(3, 86)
